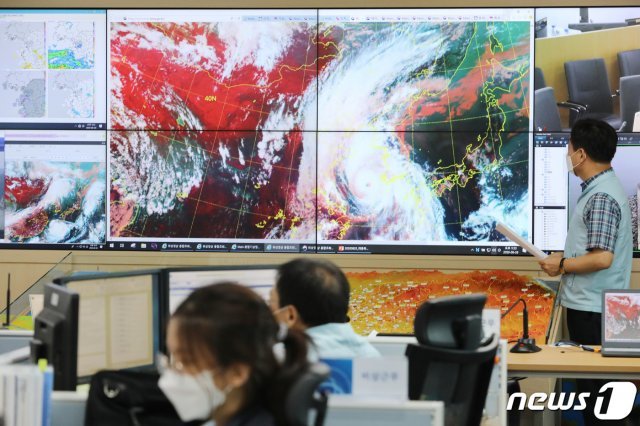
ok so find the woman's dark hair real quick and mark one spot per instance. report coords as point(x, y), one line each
point(232, 324)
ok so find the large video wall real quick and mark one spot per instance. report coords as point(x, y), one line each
point(310, 130)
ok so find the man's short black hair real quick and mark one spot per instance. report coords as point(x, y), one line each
point(318, 289)
point(596, 137)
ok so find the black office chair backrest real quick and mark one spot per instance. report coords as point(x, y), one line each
point(629, 100)
point(546, 117)
point(629, 62)
point(459, 378)
point(538, 79)
point(588, 85)
point(304, 399)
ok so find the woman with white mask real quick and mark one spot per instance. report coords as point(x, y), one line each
point(222, 365)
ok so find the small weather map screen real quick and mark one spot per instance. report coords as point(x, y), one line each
point(54, 189)
point(52, 69)
point(622, 316)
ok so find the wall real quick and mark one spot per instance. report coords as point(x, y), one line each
point(26, 266)
point(310, 3)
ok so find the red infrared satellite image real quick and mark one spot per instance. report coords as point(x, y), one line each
point(316, 128)
point(207, 139)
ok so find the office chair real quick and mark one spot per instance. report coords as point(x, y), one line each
point(538, 79)
point(303, 397)
point(629, 62)
point(588, 85)
point(450, 363)
point(629, 100)
point(546, 117)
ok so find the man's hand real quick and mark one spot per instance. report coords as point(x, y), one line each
point(551, 264)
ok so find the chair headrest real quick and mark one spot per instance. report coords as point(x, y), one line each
point(300, 398)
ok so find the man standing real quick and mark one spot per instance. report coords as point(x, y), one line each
point(598, 250)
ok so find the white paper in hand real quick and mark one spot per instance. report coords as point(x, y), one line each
point(511, 235)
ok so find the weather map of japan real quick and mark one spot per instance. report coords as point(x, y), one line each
point(366, 131)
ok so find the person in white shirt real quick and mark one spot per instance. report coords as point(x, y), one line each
point(313, 295)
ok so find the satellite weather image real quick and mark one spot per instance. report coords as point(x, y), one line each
point(299, 130)
point(54, 202)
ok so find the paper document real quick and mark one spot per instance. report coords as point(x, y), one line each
point(511, 235)
point(36, 302)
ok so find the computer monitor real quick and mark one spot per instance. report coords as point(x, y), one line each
point(182, 281)
point(451, 322)
point(556, 193)
point(55, 335)
point(120, 320)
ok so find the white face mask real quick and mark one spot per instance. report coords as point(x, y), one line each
point(569, 163)
point(194, 397)
point(570, 166)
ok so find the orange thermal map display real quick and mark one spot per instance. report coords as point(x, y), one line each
point(387, 301)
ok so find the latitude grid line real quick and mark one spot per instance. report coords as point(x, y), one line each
point(332, 131)
point(260, 215)
point(172, 140)
point(189, 91)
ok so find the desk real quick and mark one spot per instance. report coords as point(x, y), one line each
point(572, 362)
point(68, 409)
point(348, 410)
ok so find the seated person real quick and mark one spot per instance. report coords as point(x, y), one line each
point(313, 295)
point(222, 365)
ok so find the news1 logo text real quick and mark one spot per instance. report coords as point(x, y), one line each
point(620, 401)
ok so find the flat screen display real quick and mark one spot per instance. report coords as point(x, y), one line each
point(119, 322)
point(320, 130)
point(407, 131)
